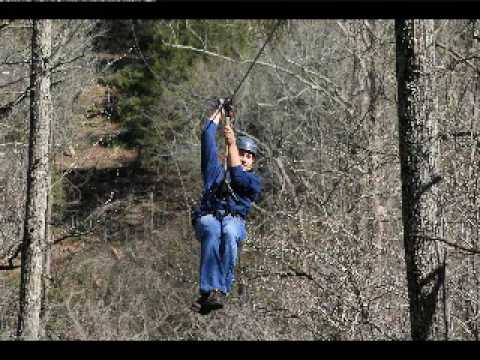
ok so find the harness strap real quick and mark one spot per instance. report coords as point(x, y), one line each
point(220, 214)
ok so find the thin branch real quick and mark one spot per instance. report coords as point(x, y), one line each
point(94, 216)
point(137, 46)
point(14, 81)
point(203, 51)
point(4, 25)
point(9, 267)
point(314, 86)
point(262, 210)
point(56, 52)
point(73, 235)
point(7, 109)
point(57, 65)
point(458, 57)
point(189, 27)
point(471, 250)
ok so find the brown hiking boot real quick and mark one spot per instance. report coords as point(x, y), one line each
point(208, 302)
point(198, 304)
point(214, 300)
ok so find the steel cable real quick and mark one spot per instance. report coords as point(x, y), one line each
point(270, 36)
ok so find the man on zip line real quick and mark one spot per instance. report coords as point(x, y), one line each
point(219, 222)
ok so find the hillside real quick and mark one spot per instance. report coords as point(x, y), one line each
point(124, 263)
point(125, 259)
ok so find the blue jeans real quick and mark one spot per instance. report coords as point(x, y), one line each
point(220, 239)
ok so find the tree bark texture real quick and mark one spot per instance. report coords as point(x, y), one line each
point(375, 126)
point(35, 245)
point(419, 157)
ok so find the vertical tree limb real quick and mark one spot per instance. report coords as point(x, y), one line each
point(419, 156)
point(35, 245)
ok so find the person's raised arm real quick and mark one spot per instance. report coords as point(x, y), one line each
point(210, 161)
point(233, 155)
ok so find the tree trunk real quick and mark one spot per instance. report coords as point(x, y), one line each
point(35, 246)
point(374, 128)
point(419, 157)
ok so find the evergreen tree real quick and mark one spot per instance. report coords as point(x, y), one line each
point(147, 80)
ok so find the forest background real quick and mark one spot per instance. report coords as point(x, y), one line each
point(325, 257)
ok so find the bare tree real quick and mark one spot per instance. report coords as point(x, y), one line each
point(35, 246)
point(419, 157)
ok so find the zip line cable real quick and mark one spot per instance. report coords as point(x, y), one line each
point(256, 57)
point(269, 38)
point(223, 103)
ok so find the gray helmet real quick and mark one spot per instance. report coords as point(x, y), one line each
point(248, 144)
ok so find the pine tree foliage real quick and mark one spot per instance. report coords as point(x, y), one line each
point(148, 81)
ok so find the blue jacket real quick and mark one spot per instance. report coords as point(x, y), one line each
point(246, 185)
